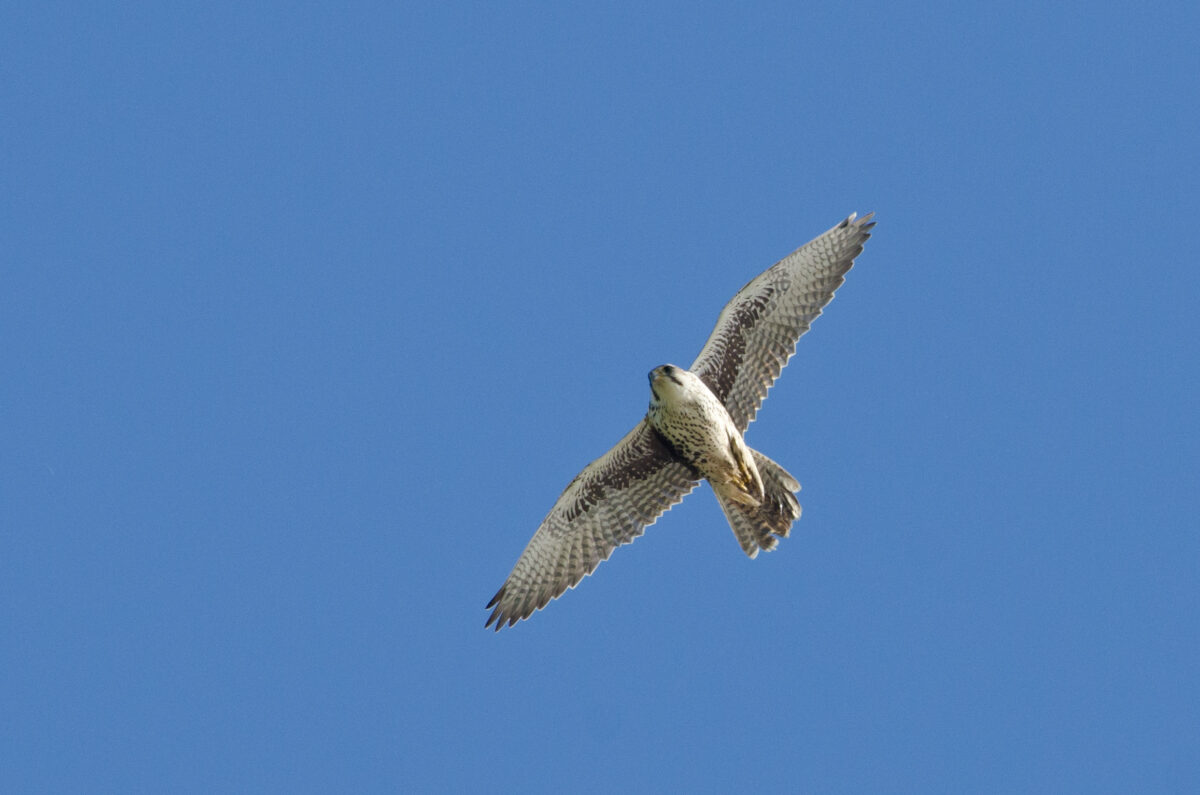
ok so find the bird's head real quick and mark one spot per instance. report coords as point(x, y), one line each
point(668, 382)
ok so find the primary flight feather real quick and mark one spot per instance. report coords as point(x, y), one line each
point(692, 431)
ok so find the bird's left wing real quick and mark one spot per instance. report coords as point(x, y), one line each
point(608, 504)
point(756, 332)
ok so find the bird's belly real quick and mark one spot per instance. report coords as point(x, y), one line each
point(699, 438)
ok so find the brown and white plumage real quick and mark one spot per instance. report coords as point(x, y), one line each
point(608, 504)
point(756, 332)
point(658, 462)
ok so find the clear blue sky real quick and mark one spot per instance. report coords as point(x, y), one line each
point(310, 312)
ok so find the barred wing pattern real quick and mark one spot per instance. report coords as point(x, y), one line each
point(756, 332)
point(608, 504)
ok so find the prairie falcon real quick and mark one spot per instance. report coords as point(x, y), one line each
point(692, 431)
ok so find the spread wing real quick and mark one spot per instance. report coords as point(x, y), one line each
point(756, 332)
point(608, 504)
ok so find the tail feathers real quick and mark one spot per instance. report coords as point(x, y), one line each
point(761, 526)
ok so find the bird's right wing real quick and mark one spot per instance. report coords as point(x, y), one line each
point(608, 504)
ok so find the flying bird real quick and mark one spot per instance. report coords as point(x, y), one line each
point(692, 431)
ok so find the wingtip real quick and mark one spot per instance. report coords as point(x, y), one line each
point(497, 613)
point(505, 615)
point(492, 619)
point(864, 224)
